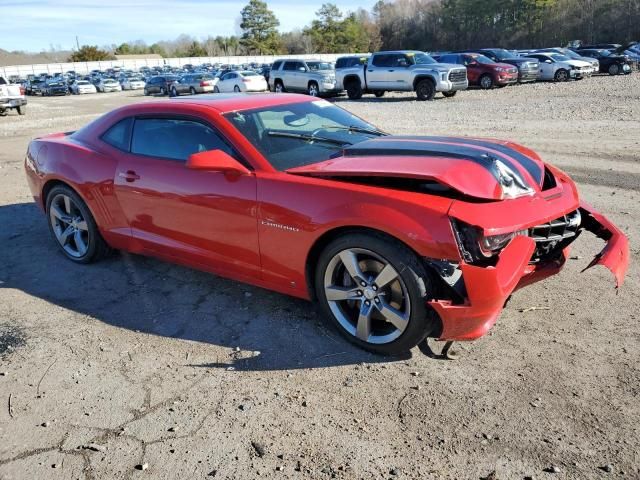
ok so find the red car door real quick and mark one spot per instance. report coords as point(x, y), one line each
point(193, 216)
point(474, 69)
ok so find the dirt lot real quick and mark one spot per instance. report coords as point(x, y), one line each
point(133, 362)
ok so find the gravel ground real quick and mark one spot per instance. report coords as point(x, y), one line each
point(134, 368)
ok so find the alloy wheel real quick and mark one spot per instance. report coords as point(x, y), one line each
point(313, 90)
point(367, 296)
point(69, 226)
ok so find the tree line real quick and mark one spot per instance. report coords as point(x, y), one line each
point(407, 24)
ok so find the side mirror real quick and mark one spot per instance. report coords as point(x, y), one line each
point(547, 61)
point(302, 69)
point(216, 161)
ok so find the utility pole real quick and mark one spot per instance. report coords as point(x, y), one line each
point(77, 43)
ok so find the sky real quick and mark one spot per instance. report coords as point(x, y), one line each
point(36, 25)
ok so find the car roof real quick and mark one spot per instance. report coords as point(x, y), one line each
point(231, 102)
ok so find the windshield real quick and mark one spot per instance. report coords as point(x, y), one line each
point(558, 57)
point(483, 59)
point(83, 82)
point(302, 133)
point(421, 59)
point(502, 54)
point(110, 81)
point(249, 74)
point(313, 66)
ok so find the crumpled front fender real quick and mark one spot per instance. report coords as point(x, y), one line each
point(615, 254)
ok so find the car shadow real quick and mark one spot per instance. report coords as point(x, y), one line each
point(265, 330)
point(373, 99)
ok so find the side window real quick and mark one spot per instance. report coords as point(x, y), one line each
point(174, 138)
point(276, 65)
point(400, 61)
point(119, 135)
point(381, 61)
point(289, 66)
point(449, 59)
point(342, 62)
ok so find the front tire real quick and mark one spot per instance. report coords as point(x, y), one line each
point(22, 110)
point(379, 93)
point(425, 90)
point(73, 227)
point(561, 75)
point(486, 82)
point(312, 89)
point(450, 94)
point(373, 290)
point(614, 69)
point(278, 87)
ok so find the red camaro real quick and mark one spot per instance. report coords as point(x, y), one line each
point(397, 238)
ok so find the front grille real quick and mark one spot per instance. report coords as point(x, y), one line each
point(553, 236)
point(457, 76)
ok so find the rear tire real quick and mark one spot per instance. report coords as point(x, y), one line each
point(64, 209)
point(354, 90)
point(216, 89)
point(192, 91)
point(379, 93)
point(21, 110)
point(425, 90)
point(163, 92)
point(450, 94)
point(387, 318)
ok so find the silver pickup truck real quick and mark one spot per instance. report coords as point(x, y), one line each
point(402, 71)
point(313, 77)
point(12, 97)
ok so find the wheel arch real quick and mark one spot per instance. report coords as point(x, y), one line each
point(423, 76)
point(330, 235)
point(351, 78)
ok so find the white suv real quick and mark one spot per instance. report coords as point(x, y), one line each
point(313, 77)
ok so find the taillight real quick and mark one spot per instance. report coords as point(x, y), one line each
point(246, 80)
point(203, 83)
point(22, 90)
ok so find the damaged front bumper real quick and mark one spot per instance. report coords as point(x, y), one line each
point(487, 288)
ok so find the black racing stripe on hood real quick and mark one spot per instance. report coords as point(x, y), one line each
point(417, 146)
point(527, 163)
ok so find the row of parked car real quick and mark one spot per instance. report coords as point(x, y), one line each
point(423, 73)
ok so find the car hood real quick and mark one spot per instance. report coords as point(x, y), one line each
point(578, 63)
point(440, 67)
point(470, 166)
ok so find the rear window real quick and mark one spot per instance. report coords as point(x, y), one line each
point(118, 135)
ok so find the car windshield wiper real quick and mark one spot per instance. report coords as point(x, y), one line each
point(308, 137)
point(355, 128)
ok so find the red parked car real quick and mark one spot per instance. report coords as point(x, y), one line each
point(482, 71)
point(397, 238)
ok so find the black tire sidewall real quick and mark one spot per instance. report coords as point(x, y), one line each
point(94, 247)
point(422, 320)
point(354, 90)
point(425, 90)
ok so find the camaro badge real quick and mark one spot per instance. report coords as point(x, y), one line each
point(267, 223)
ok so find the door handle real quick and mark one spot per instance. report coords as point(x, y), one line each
point(369, 70)
point(392, 70)
point(129, 176)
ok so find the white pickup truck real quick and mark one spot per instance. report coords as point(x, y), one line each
point(12, 97)
point(402, 71)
